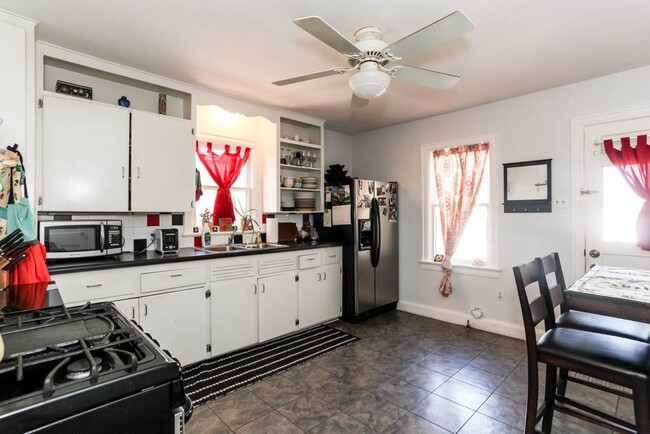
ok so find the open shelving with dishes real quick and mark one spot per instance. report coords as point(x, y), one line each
point(299, 168)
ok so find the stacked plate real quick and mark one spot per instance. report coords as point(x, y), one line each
point(310, 182)
point(287, 202)
point(305, 201)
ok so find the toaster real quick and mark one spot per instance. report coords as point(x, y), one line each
point(167, 240)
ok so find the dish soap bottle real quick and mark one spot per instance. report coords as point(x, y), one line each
point(207, 236)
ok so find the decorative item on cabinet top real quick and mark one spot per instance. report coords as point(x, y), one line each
point(74, 89)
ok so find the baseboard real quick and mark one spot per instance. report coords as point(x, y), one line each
point(455, 317)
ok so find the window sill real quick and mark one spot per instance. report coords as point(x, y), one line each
point(467, 270)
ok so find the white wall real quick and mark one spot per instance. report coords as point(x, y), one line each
point(530, 127)
point(338, 150)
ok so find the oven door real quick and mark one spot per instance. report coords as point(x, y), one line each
point(73, 239)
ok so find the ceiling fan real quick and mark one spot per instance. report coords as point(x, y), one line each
point(371, 57)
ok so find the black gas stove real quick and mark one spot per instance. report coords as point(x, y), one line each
point(86, 369)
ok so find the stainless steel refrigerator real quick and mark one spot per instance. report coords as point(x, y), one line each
point(370, 251)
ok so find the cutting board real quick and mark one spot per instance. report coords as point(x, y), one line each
point(287, 232)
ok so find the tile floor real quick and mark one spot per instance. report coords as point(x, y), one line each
point(407, 374)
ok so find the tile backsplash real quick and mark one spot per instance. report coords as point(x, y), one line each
point(136, 228)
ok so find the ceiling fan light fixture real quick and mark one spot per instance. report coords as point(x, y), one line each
point(370, 82)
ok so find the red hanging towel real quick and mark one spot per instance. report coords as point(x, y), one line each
point(32, 269)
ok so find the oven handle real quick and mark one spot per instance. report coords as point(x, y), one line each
point(101, 237)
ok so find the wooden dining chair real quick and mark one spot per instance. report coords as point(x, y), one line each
point(619, 361)
point(555, 296)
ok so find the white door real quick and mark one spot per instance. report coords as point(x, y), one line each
point(130, 308)
point(179, 322)
point(331, 292)
point(278, 305)
point(234, 314)
point(85, 156)
point(309, 288)
point(610, 205)
point(162, 163)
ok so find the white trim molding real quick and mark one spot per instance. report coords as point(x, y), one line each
point(492, 265)
point(455, 317)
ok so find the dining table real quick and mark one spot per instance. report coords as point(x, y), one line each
point(614, 291)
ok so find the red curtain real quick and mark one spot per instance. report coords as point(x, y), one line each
point(224, 170)
point(634, 164)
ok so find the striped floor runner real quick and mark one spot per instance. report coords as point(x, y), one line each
point(212, 378)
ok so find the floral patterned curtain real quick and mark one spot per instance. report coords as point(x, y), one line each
point(458, 173)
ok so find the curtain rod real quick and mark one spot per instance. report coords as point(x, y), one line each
point(618, 140)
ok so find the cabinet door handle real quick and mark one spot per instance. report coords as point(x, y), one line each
point(96, 285)
point(132, 312)
point(254, 288)
point(311, 259)
point(123, 172)
point(332, 256)
point(176, 275)
point(320, 277)
point(138, 170)
point(324, 275)
point(263, 288)
point(146, 310)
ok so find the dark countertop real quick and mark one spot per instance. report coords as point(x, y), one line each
point(29, 296)
point(128, 259)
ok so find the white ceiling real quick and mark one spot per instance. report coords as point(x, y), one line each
point(240, 47)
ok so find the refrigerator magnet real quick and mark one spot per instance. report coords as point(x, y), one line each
point(382, 201)
point(385, 211)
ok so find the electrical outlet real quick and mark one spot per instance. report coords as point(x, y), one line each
point(499, 295)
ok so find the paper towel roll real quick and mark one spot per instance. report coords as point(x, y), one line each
point(271, 230)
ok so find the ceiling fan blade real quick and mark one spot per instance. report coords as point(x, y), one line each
point(323, 31)
point(449, 27)
point(357, 101)
point(313, 75)
point(426, 77)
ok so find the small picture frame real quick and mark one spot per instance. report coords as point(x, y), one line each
point(78, 90)
point(438, 258)
point(225, 224)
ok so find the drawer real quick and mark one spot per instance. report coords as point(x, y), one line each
point(309, 261)
point(331, 256)
point(96, 286)
point(172, 279)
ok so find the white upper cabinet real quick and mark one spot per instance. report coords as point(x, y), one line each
point(162, 163)
point(85, 156)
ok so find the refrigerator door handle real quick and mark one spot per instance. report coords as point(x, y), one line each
point(376, 232)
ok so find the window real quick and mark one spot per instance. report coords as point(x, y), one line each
point(477, 247)
point(241, 190)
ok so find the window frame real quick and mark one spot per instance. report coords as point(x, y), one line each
point(491, 267)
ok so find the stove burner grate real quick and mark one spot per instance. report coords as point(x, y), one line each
point(81, 368)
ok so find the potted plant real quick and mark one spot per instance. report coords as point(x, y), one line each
point(247, 221)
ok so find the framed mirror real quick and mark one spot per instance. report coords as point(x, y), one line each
point(527, 186)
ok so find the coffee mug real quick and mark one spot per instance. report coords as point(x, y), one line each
point(288, 182)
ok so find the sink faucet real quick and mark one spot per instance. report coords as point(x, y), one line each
point(231, 238)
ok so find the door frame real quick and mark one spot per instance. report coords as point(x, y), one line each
point(578, 126)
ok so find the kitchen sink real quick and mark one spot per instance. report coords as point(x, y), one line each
point(253, 246)
point(221, 249)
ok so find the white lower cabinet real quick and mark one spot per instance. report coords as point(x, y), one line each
point(234, 314)
point(330, 292)
point(178, 320)
point(309, 295)
point(278, 305)
point(130, 308)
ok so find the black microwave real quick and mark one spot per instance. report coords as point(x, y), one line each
point(81, 238)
